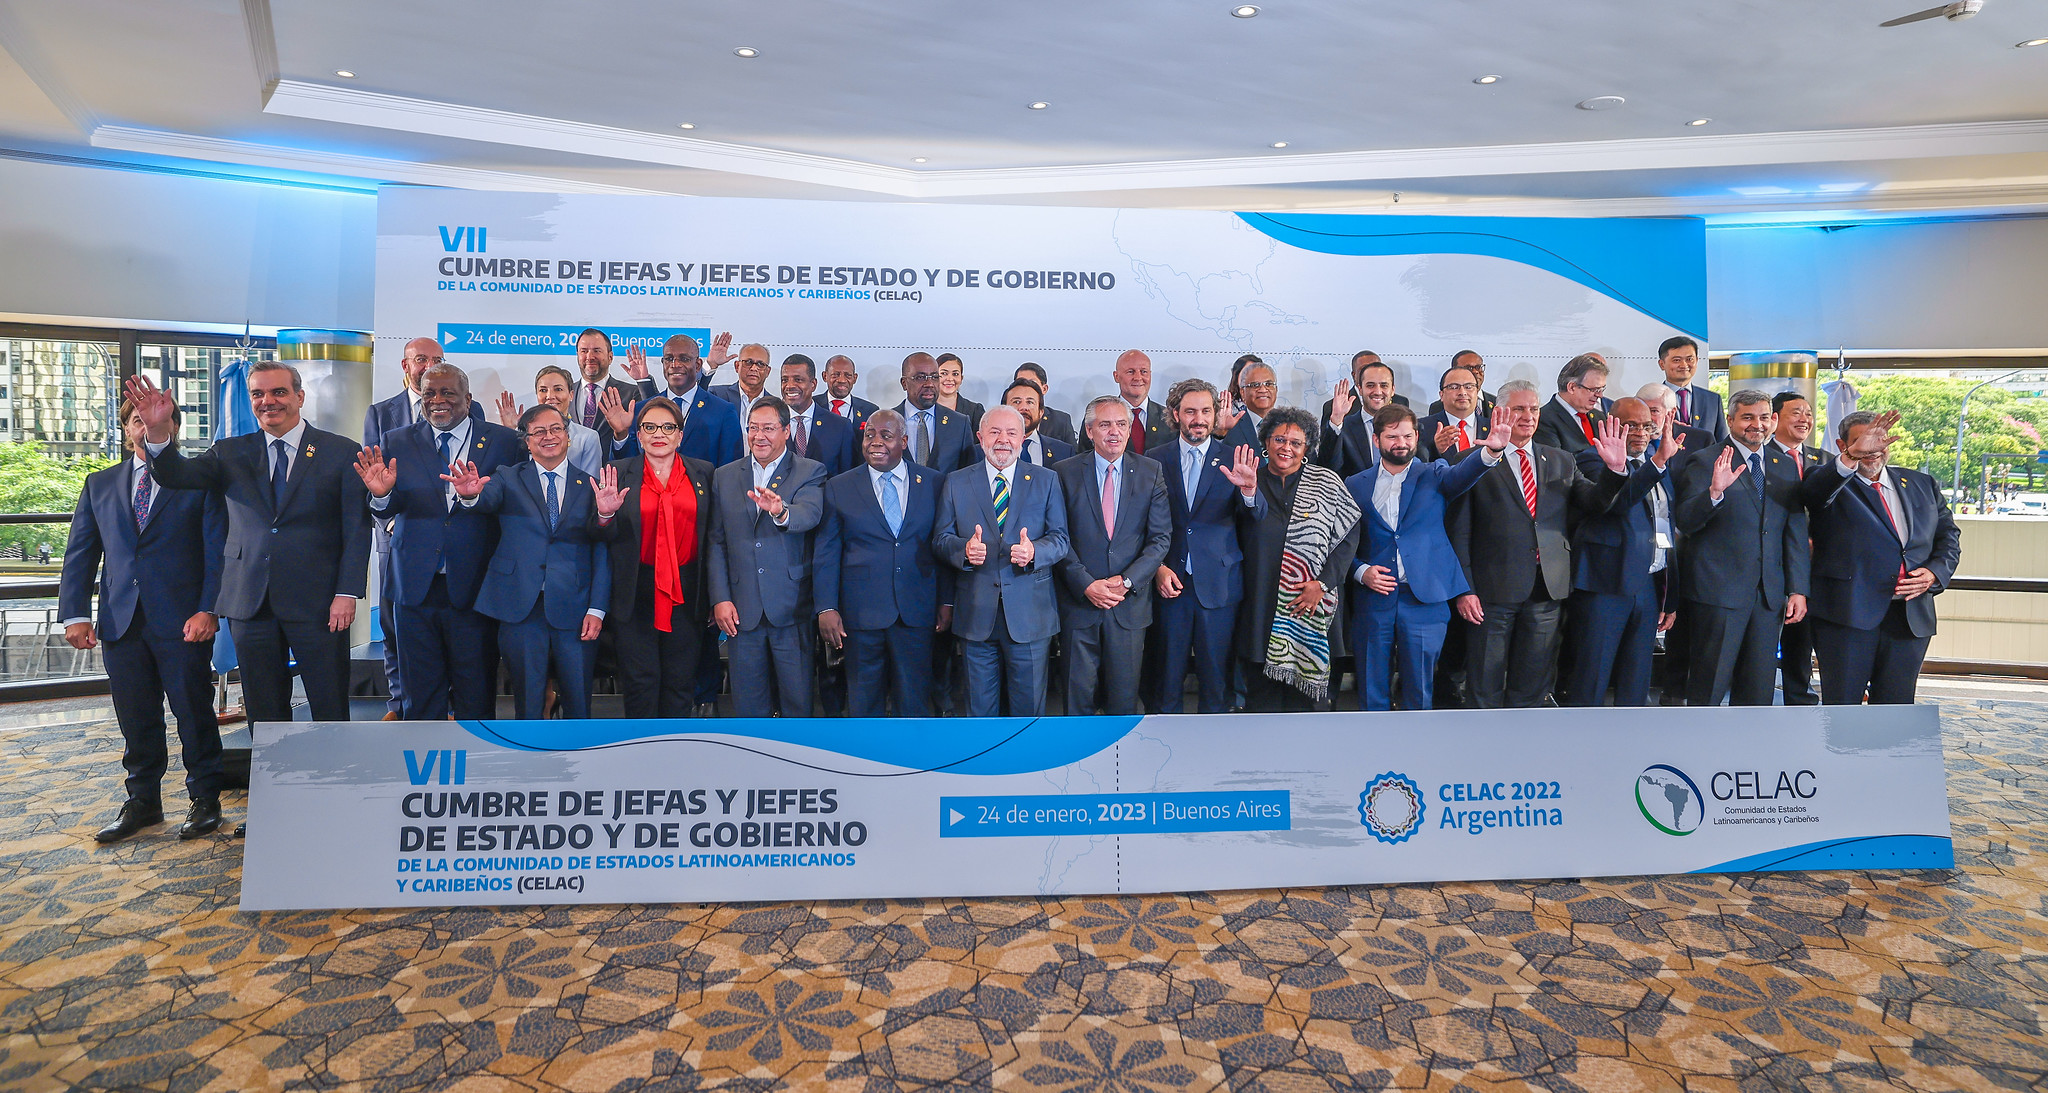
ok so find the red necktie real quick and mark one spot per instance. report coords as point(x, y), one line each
point(1887, 505)
point(1464, 438)
point(839, 406)
point(1798, 467)
point(1137, 432)
point(1528, 483)
point(1586, 423)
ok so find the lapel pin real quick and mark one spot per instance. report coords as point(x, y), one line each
point(309, 451)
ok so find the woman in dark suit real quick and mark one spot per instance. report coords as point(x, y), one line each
point(951, 372)
point(660, 588)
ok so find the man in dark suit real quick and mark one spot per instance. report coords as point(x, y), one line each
point(1512, 535)
point(1622, 594)
point(764, 509)
point(839, 398)
point(1202, 580)
point(818, 435)
point(1470, 361)
point(880, 593)
point(1055, 423)
point(1795, 642)
point(1571, 420)
point(1118, 529)
point(1038, 449)
point(550, 575)
point(1260, 387)
point(1699, 407)
point(1367, 392)
point(1149, 425)
point(155, 637)
point(1884, 545)
point(1668, 671)
point(711, 427)
point(594, 364)
point(448, 650)
point(383, 418)
point(1745, 558)
point(939, 438)
point(297, 553)
point(1003, 525)
point(1458, 423)
point(750, 378)
point(1405, 561)
point(1349, 443)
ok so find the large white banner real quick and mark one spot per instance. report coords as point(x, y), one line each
point(506, 280)
point(390, 814)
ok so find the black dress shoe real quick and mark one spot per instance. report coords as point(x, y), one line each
point(202, 820)
point(241, 829)
point(135, 815)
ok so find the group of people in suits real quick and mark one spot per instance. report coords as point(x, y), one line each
point(1501, 550)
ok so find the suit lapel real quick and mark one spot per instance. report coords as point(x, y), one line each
point(122, 486)
point(302, 466)
point(528, 477)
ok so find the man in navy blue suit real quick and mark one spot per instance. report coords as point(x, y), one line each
point(840, 376)
point(1027, 398)
point(1004, 609)
point(1623, 591)
point(1884, 545)
point(1405, 560)
point(389, 416)
point(881, 594)
point(711, 427)
point(939, 438)
point(155, 636)
point(1698, 406)
point(817, 435)
point(1119, 527)
point(550, 577)
point(1202, 580)
point(448, 651)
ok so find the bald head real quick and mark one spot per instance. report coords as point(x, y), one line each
point(681, 364)
point(921, 380)
point(1133, 376)
point(1638, 422)
point(420, 354)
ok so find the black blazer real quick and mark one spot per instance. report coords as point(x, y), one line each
point(1144, 529)
point(1510, 557)
point(1739, 546)
point(319, 539)
point(1058, 424)
point(972, 409)
point(1559, 427)
point(624, 535)
point(1612, 550)
point(1857, 552)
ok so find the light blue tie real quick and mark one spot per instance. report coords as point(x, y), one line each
point(1190, 471)
point(1756, 475)
point(554, 502)
point(892, 506)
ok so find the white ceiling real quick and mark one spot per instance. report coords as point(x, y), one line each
point(1153, 102)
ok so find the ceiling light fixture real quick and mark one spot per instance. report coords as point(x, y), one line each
point(1245, 11)
point(344, 74)
point(746, 51)
point(2030, 43)
point(919, 159)
point(1698, 121)
point(1279, 144)
point(1039, 105)
point(686, 125)
point(1487, 79)
point(1602, 102)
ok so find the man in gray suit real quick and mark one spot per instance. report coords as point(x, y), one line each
point(1119, 530)
point(764, 508)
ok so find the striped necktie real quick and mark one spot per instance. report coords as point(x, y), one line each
point(1002, 500)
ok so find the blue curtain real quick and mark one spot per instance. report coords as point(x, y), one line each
point(232, 417)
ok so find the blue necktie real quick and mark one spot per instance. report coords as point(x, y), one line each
point(142, 497)
point(554, 502)
point(1756, 475)
point(280, 471)
point(1002, 501)
point(446, 458)
point(892, 506)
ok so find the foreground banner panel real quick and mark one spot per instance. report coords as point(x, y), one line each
point(406, 814)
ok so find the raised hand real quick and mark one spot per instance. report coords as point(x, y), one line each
point(1022, 553)
point(1496, 439)
point(606, 492)
point(1608, 441)
point(508, 410)
point(616, 413)
point(154, 406)
point(976, 550)
point(1227, 413)
point(1243, 470)
point(379, 475)
point(721, 351)
point(636, 362)
point(1668, 446)
point(768, 501)
point(466, 481)
point(1446, 438)
point(1726, 471)
point(1341, 402)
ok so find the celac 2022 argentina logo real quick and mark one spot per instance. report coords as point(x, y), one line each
point(1391, 807)
point(1670, 800)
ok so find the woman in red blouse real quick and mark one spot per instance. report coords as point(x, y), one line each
point(659, 541)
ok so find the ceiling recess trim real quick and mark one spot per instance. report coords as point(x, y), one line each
point(351, 106)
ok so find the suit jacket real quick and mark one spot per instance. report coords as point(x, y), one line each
point(1559, 427)
point(858, 409)
point(1809, 458)
point(1426, 427)
point(730, 392)
point(428, 532)
point(1205, 552)
point(569, 563)
point(833, 442)
point(1706, 412)
point(1263, 540)
point(1422, 545)
point(953, 443)
point(1058, 424)
point(711, 430)
point(1144, 530)
point(764, 568)
point(1612, 550)
point(969, 407)
point(1398, 400)
point(624, 532)
point(1350, 451)
point(387, 417)
point(1509, 556)
point(1857, 552)
point(1159, 431)
point(1740, 545)
point(629, 393)
point(321, 534)
point(1050, 450)
point(873, 578)
point(1246, 434)
point(171, 566)
point(1025, 596)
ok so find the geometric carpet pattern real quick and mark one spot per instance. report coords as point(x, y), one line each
point(128, 967)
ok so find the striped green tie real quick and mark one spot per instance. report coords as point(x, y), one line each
point(1002, 501)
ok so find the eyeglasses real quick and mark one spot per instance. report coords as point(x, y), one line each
point(758, 430)
point(758, 362)
point(923, 377)
point(546, 431)
point(1260, 385)
point(1287, 442)
point(1640, 426)
point(678, 358)
point(1468, 387)
point(663, 427)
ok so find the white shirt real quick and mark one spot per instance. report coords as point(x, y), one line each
point(763, 474)
point(993, 474)
point(1742, 454)
point(1137, 413)
point(1660, 517)
point(1033, 450)
point(911, 416)
point(458, 444)
point(1792, 452)
point(1884, 485)
point(1386, 500)
point(806, 415)
point(1471, 425)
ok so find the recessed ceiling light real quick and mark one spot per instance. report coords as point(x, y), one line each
point(686, 125)
point(1489, 78)
point(1602, 102)
point(746, 51)
point(1279, 144)
point(344, 74)
point(1040, 105)
point(2030, 43)
point(1245, 11)
point(919, 159)
point(1699, 121)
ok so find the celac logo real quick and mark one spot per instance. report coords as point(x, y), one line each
point(1670, 800)
point(1391, 807)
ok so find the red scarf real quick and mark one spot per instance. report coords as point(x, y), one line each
point(668, 535)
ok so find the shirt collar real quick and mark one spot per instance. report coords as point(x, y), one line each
point(1744, 448)
point(291, 439)
point(1010, 472)
point(1103, 466)
point(1198, 449)
point(876, 476)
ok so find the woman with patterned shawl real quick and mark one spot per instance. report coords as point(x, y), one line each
point(1294, 564)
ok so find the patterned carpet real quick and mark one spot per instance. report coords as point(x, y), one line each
point(128, 968)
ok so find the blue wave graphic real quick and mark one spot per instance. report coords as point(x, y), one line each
point(955, 745)
point(1657, 265)
point(1866, 852)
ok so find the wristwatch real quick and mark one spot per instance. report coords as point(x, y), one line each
point(1127, 584)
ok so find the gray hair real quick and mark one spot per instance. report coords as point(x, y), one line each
point(1512, 386)
point(1854, 421)
point(1578, 368)
point(1659, 394)
point(1297, 417)
point(1088, 414)
point(1748, 396)
point(444, 366)
point(1000, 408)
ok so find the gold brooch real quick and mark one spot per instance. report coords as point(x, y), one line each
point(309, 451)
